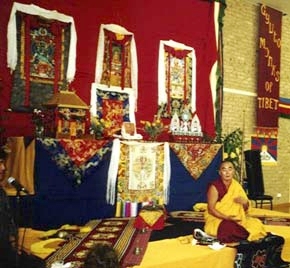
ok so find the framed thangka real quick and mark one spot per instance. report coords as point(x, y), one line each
point(115, 107)
point(116, 64)
point(42, 56)
point(117, 60)
point(176, 78)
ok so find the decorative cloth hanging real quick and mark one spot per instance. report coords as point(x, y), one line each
point(195, 157)
point(141, 171)
point(267, 105)
point(100, 95)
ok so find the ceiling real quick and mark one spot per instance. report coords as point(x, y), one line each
point(281, 5)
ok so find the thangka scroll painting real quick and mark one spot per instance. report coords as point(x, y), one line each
point(176, 78)
point(41, 55)
point(116, 64)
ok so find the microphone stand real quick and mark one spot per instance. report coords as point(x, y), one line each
point(17, 220)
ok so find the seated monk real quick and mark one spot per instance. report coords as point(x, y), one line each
point(226, 215)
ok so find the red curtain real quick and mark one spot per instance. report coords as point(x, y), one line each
point(189, 22)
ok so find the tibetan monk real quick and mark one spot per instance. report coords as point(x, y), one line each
point(226, 215)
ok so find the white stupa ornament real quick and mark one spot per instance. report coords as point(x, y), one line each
point(175, 123)
point(195, 126)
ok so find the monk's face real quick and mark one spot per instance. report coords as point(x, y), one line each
point(227, 171)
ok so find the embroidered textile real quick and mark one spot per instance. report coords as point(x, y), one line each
point(76, 158)
point(126, 96)
point(143, 172)
point(141, 177)
point(151, 217)
point(120, 233)
point(80, 151)
point(114, 108)
point(177, 77)
point(195, 157)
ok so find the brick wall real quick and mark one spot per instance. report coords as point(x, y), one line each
point(240, 77)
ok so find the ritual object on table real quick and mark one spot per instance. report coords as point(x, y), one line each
point(185, 128)
point(152, 217)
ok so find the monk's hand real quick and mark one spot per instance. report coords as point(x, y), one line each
point(243, 201)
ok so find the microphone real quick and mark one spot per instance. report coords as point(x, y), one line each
point(17, 185)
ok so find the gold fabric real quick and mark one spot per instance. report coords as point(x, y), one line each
point(151, 217)
point(283, 231)
point(180, 253)
point(20, 164)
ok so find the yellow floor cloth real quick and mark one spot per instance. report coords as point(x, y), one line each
point(259, 212)
point(179, 253)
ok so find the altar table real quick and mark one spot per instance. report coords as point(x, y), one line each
point(58, 199)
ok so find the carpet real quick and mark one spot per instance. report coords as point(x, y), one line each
point(118, 232)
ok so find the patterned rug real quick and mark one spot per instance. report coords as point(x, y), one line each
point(118, 232)
point(197, 216)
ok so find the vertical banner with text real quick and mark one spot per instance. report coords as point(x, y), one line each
point(270, 21)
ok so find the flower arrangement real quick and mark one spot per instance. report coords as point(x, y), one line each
point(38, 119)
point(154, 128)
point(233, 146)
point(98, 126)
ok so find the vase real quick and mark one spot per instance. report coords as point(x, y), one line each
point(99, 136)
point(153, 137)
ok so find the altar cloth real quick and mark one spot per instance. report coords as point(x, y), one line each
point(180, 253)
